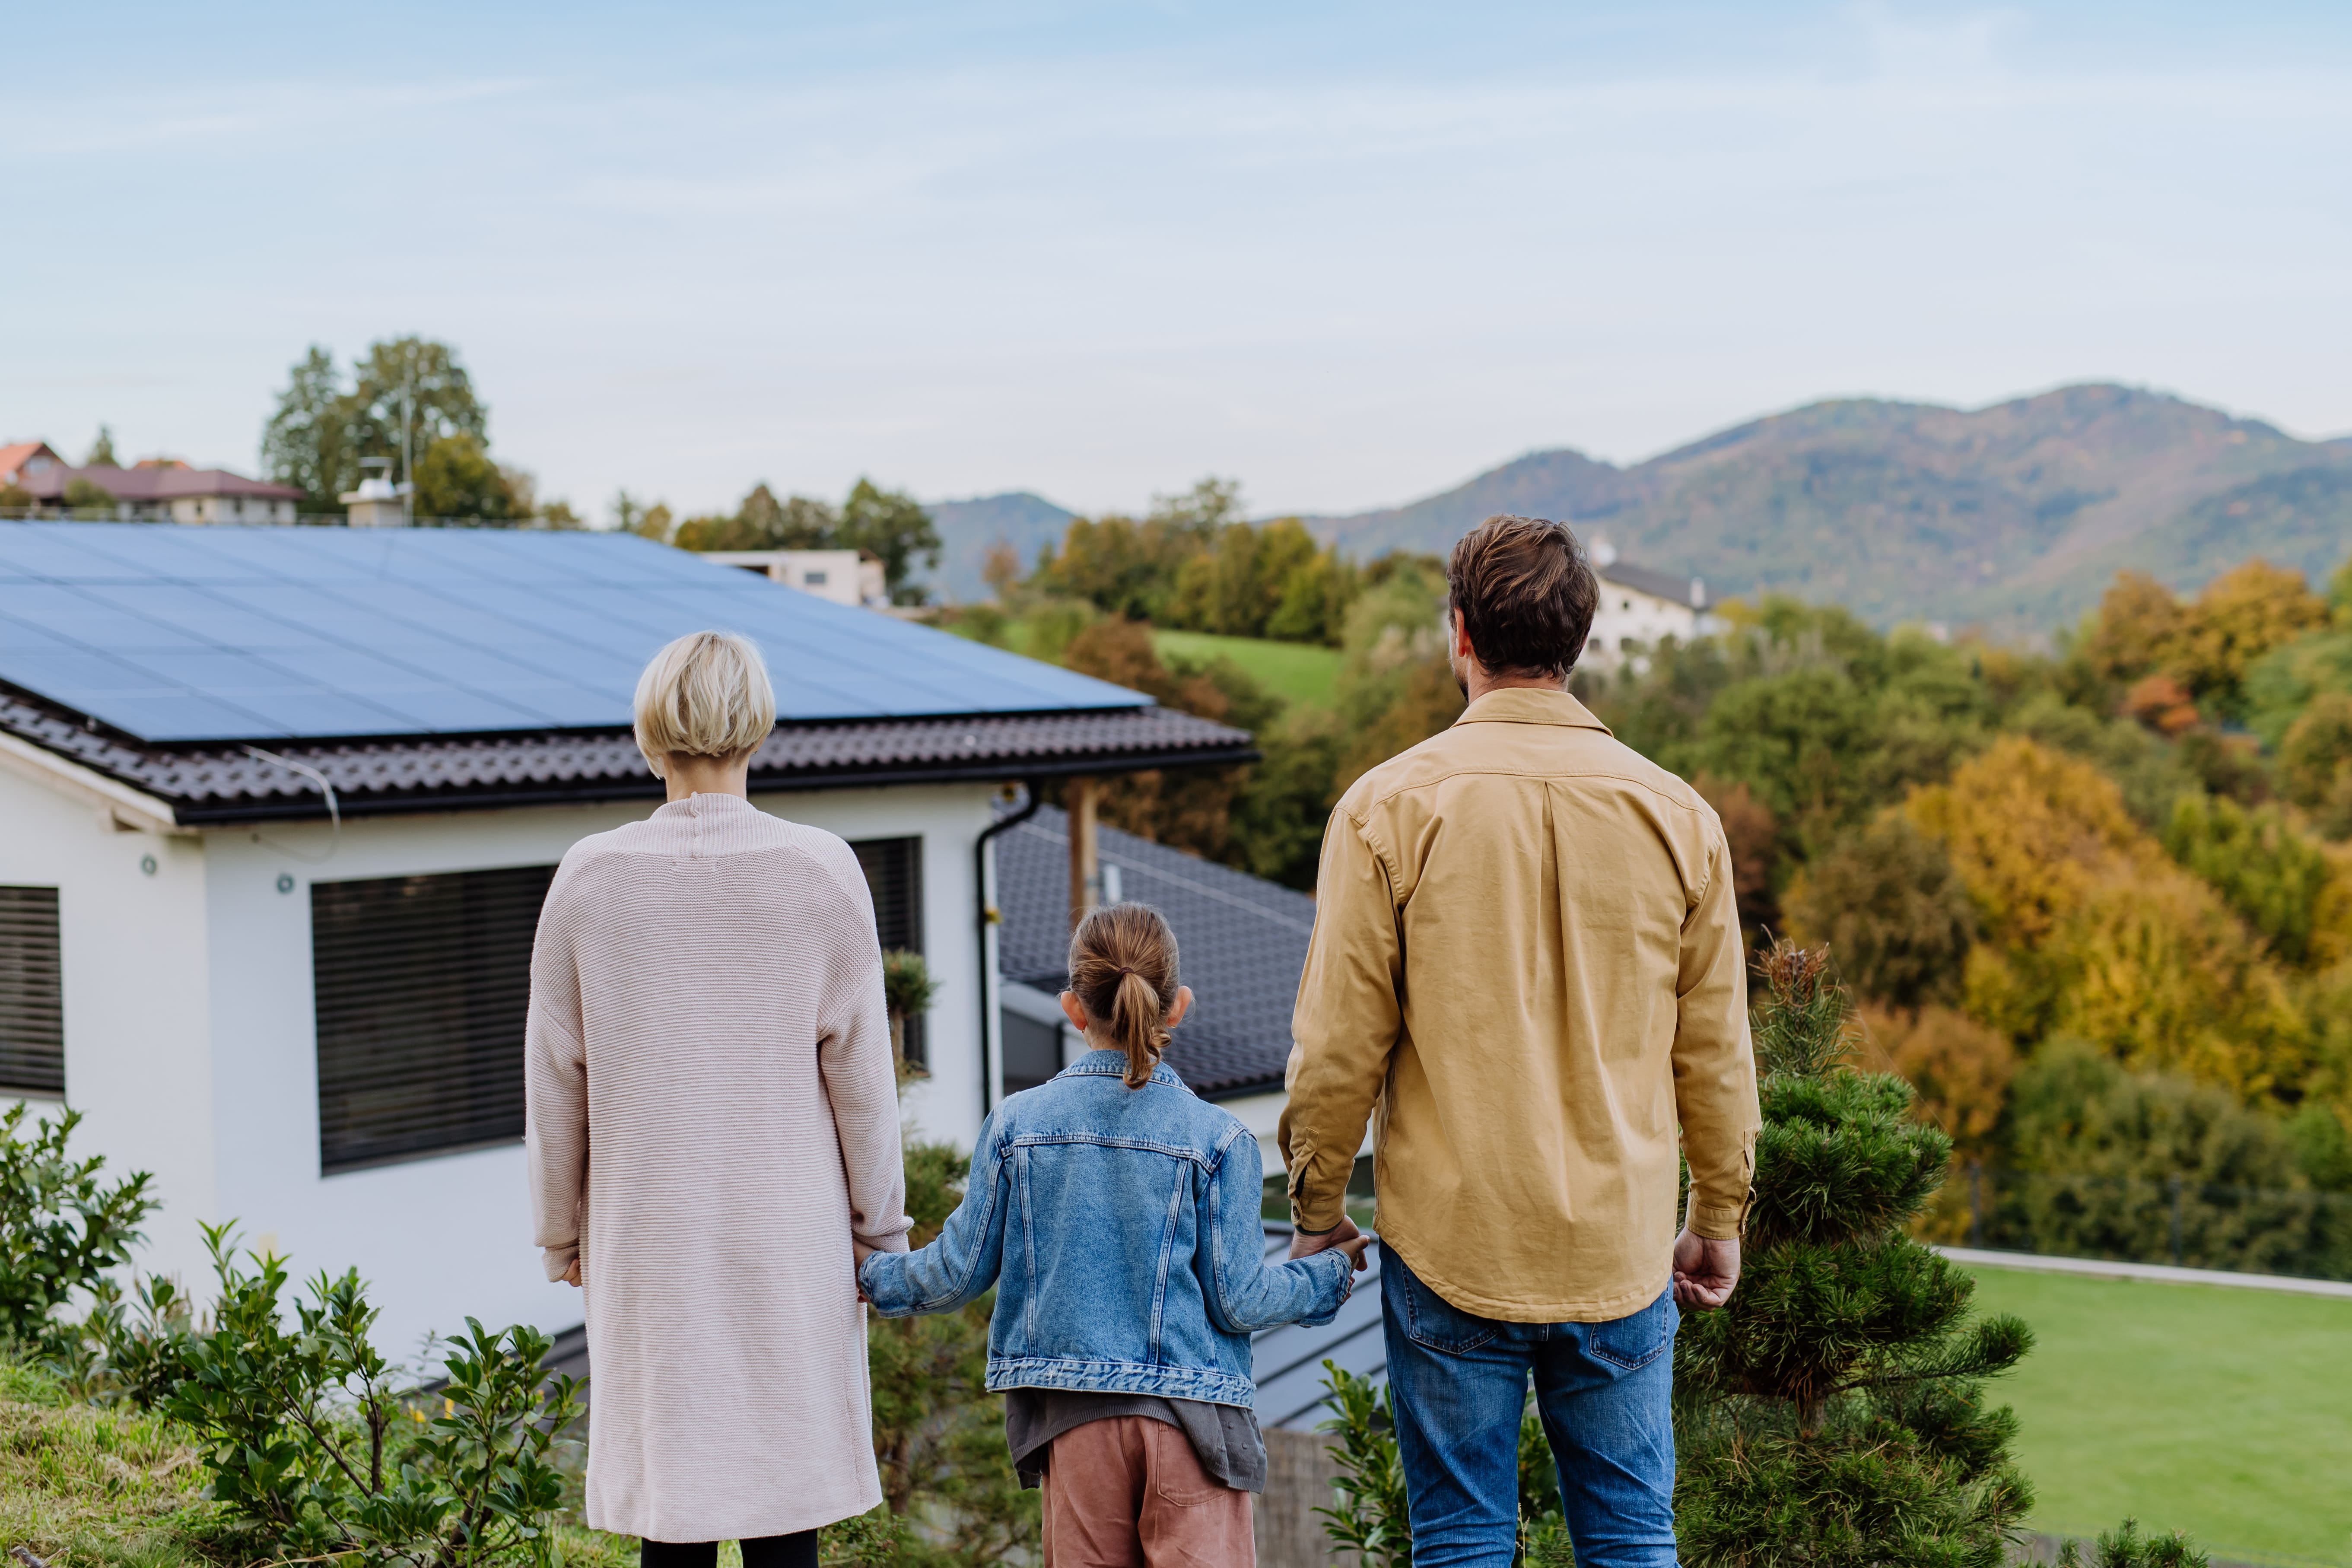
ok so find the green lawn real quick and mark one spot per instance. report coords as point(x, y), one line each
point(1301, 674)
point(2223, 1413)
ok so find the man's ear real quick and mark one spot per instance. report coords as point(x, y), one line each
point(1075, 1012)
point(1457, 637)
point(1184, 1005)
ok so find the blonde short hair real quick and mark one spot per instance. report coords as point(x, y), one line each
point(707, 695)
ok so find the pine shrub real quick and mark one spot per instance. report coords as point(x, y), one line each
point(1833, 1413)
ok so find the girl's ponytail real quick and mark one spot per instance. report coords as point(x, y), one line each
point(1123, 969)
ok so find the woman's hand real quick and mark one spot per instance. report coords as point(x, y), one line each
point(576, 1275)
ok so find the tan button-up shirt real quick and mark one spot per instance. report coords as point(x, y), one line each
point(1526, 952)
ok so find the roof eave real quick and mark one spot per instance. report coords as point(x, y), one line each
point(311, 807)
point(125, 805)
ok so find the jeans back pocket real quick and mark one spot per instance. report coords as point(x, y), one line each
point(1433, 1322)
point(1633, 1342)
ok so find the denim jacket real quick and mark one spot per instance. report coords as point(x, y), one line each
point(1123, 1224)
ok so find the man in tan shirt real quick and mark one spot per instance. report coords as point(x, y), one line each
point(1528, 960)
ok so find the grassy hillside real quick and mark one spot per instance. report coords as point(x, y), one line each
point(2015, 516)
point(2224, 1412)
point(1301, 674)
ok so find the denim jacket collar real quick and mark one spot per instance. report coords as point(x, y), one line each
point(1113, 1064)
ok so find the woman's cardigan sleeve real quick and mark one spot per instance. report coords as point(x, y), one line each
point(861, 1077)
point(555, 1089)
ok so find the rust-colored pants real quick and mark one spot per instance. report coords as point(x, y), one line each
point(1129, 1492)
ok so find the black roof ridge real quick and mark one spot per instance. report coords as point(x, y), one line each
point(229, 782)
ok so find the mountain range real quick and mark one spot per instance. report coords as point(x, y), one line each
point(2014, 516)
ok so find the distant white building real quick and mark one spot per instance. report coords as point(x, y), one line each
point(1640, 608)
point(846, 576)
point(378, 503)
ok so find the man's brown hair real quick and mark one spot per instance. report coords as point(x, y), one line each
point(1523, 590)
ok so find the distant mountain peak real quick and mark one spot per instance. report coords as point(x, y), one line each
point(2014, 514)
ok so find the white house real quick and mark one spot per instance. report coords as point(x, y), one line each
point(278, 806)
point(1640, 608)
point(844, 576)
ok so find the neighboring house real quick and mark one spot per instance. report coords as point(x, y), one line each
point(1241, 940)
point(846, 576)
point(1640, 608)
point(277, 807)
point(20, 458)
point(157, 490)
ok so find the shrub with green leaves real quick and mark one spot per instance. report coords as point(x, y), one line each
point(1371, 1519)
point(134, 1350)
point(2125, 1548)
point(62, 1227)
point(1832, 1413)
point(938, 1433)
point(322, 1447)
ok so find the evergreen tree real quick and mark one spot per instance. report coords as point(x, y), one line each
point(1833, 1415)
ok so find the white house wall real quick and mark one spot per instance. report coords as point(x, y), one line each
point(132, 945)
point(1627, 615)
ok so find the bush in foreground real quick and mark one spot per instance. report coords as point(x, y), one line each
point(1833, 1413)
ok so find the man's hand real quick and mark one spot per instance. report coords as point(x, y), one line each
point(1302, 1244)
point(575, 1275)
point(1704, 1271)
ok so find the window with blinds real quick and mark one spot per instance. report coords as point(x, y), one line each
point(894, 872)
point(32, 994)
point(422, 986)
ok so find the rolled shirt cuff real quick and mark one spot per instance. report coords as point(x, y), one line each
point(558, 1260)
point(1716, 1222)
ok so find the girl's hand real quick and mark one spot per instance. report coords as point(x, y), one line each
point(1354, 1248)
point(575, 1275)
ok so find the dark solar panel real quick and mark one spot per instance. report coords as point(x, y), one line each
point(213, 634)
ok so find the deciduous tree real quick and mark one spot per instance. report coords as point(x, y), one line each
point(892, 527)
point(1892, 911)
point(456, 478)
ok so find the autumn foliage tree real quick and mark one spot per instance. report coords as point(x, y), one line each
point(2091, 930)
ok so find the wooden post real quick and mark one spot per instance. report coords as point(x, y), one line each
point(1085, 850)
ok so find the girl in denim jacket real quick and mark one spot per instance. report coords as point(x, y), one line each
point(1117, 1216)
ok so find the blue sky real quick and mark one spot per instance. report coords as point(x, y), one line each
point(1348, 253)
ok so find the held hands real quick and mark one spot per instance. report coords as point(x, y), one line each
point(1344, 1235)
point(575, 1275)
point(1704, 1271)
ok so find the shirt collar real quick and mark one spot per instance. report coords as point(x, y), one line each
point(701, 805)
point(1531, 705)
point(1113, 1064)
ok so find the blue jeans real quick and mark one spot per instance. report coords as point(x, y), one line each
point(1604, 1391)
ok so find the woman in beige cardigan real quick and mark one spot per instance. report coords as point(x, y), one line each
point(713, 1138)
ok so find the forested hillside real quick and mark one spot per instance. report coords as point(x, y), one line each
point(2013, 516)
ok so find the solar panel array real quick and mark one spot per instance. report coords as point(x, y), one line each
point(187, 633)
